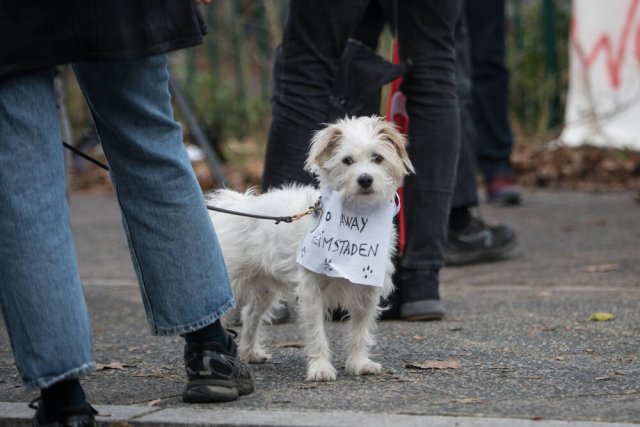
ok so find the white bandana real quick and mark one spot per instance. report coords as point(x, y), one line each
point(349, 243)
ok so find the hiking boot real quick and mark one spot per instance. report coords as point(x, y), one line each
point(74, 416)
point(215, 373)
point(478, 242)
point(419, 295)
point(503, 190)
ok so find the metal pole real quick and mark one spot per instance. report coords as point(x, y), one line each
point(551, 58)
point(203, 142)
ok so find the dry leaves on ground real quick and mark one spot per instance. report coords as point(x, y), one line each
point(539, 329)
point(601, 268)
point(285, 344)
point(470, 400)
point(584, 168)
point(434, 364)
point(113, 365)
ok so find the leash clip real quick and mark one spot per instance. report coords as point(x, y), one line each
point(317, 207)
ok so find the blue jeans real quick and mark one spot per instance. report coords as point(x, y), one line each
point(173, 246)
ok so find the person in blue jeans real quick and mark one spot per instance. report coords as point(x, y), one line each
point(121, 66)
point(314, 39)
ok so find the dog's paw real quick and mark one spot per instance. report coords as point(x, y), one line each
point(363, 367)
point(256, 357)
point(321, 371)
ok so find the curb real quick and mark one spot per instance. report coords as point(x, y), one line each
point(18, 414)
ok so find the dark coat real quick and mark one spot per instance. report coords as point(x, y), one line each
point(42, 33)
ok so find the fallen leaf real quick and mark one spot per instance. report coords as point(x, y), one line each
point(470, 400)
point(601, 268)
point(283, 344)
point(434, 364)
point(502, 368)
point(154, 402)
point(112, 365)
point(601, 317)
point(540, 329)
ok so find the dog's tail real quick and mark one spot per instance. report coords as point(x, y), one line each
point(227, 199)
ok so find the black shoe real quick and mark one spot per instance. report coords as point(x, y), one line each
point(478, 242)
point(419, 296)
point(75, 416)
point(391, 305)
point(215, 373)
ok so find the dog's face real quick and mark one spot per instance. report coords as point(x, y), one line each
point(363, 158)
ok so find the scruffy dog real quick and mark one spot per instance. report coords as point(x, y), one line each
point(363, 159)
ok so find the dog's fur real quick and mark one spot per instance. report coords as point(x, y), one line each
point(261, 256)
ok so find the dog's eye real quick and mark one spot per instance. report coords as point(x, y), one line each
point(377, 158)
point(347, 161)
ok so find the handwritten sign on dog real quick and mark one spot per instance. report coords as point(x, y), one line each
point(349, 243)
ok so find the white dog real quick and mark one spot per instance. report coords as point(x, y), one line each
point(365, 160)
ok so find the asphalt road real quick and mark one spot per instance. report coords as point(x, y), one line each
point(517, 332)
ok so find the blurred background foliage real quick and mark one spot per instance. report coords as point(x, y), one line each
point(228, 80)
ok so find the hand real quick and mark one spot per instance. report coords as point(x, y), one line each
point(205, 2)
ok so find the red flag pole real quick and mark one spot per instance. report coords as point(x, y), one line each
point(397, 114)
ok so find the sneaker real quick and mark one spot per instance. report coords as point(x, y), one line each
point(419, 296)
point(503, 190)
point(215, 373)
point(75, 416)
point(478, 242)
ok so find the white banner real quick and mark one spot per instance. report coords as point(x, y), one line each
point(603, 105)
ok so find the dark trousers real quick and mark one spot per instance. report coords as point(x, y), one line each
point(490, 77)
point(466, 188)
point(305, 65)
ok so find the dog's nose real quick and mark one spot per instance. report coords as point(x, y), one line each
point(365, 181)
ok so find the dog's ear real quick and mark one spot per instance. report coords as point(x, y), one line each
point(324, 144)
point(398, 142)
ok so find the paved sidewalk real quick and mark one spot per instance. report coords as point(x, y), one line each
point(518, 330)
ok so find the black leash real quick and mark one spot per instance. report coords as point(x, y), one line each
point(278, 219)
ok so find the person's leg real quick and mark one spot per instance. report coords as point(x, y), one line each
point(469, 238)
point(40, 291)
point(174, 249)
point(426, 39)
point(305, 62)
point(486, 25)
point(465, 194)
